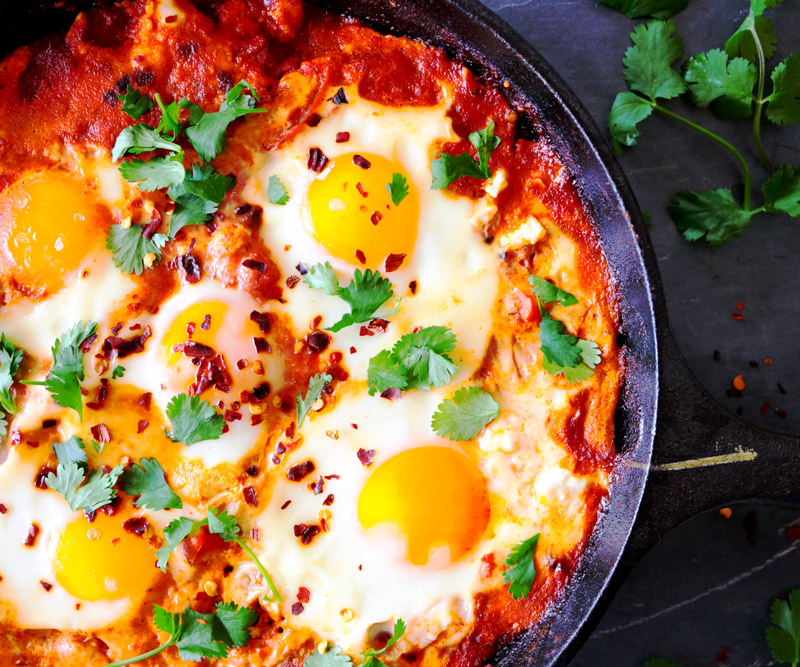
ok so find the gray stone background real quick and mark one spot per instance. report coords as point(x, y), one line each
point(708, 585)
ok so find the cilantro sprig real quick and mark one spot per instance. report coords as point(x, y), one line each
point(398, 188)
point(198, 636)
point(315, 386)
point(148, 481)
point(547, 292)
point(129, 247)
point(447, 168)
point(66, 374)
point(366, 292)
point(82, 489)
point(419, 360)
point(276, 191)
point(783, 636)
point(219, 523)
point(521, 568)
point(333, 656)
point(564, 353)
point(733, 83)
point(10, 359)
point(464, 416)
point(134, 103)
point(193, 420)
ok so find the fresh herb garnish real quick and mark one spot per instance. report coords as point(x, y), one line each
point(219, 523)
point(141, 138)
point(367, 291)
point(657, 9)
point(154, 174)
point(198, 636)
point(447, 168)
point(82, 492)
point(521, 566)
point(193, 420)
point(198, 196)
point(71, 451)
point(118, 372)
point(129, 247)
point(10, 359)
point(134, 103)
point(371, 655)
point(465, 415)
point(148, 481)
point(315, 386)
point(419, 360)
point(333, 656)
point(398, 188)
point(547, 292)
point(564, 353)
point(783, 636)
point(276, 191)
point(66, 374)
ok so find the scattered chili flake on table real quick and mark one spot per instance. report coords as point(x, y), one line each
point(737, 316)
point(726, 512)
point(738, 383)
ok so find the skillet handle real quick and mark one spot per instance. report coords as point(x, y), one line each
point(704, 457)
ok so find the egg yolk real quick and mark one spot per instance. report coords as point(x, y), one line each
point(206, 318)
point(435, 496)
point(353, 214)
point(102, 561)
point(48, 224)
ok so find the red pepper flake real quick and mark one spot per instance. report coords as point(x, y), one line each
point(379, 325)
point(353, 350)
point(242, 364)
point(313, 120)
point(137, 525)
point(255, 265)
point(764, 408)
point(724, 652)
point(261, 345)
point(146, 400)
point(365, 332)
point(87, 343)
point(255, 534)
point(262, 320)
point(142, 426)
point(116, 328)
point(39, 481)
point(375, 218)
point(740, 305)
point(738, 383)
point(737, 316)
point(318, 341)
point(231, 416)
point(781, 413)
point(317, 160)
point(297, 608)
point(49, 423)
point(768, 361)
point(302, 269)
point(412, 287)
point(317, 486)
point(195, 350)
point(250, 496)
point(361, 190)
point(255, 420)
point(292, 282)
point(33, 533)
point(306, 533)
point(191, 268)
point(303, 594)
point(365, 456)
point(252, 471)
point(206, 324)
point(793, 533)
point(394, 262)
point(286, 504)
point(361, 161)
point(211, 372)
point(392, 394)
point(171, 18)
point(47, 587)
point(190, 327)
point(261, 392)
point(342, 137)
point(301, 470)
point(360, 256)
point(328, 500)
point(339, 98)
point(332, 477)
point(124, 347)
point(782, 389)
point(3, 509)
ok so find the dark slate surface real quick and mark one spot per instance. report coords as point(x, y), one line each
point(708, 585)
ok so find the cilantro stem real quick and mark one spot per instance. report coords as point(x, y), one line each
point(718, 139)
point(277, 597)
point(762, 69)
point(144, 656)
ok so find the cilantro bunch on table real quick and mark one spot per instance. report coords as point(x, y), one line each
point(735, 83)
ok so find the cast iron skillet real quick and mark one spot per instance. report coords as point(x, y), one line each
point(690, 424)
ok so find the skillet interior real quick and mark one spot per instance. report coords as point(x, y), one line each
point(472, 34)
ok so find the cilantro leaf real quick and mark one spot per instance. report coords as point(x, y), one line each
point(190, 210)
point(464, 417)
point(135, 104)
point(447, 168)
point(367, 291)
point(153, 174)
point(175, 533)
point(333, 657)
point(198, 639)
point(419, 360)
point(193, 420)
point(166, 621)
point(208, 134)
point(628, 110)
point(169, 117)
point(205, 182)
point(783, 636)
point(223, 524)
point(728, 84)
point(521, 566)
point(148, 481)
point(276, 192)
point(563, 353)
point(66, 373)
point(315, 386)
point(71, 451)
point(742, 42)
point(10, 359)
point(118, 372)
point(547, 292)
point(398, 188)
point(637, 9)
point(371, 655)
point(3, 425)
point(141, 138)
point(129, 247)
point(648, 63)
point(81, 492)
point(712, 215)
point(783, 105)
point(782, 191)
point(235, 621)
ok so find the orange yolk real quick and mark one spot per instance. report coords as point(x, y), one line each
point(353, 214)
point(48, 224)
point(102, 561)
point(435, 497)
point(196, 314)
